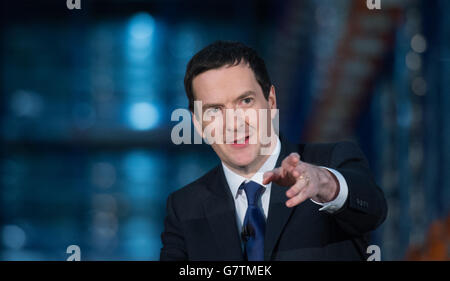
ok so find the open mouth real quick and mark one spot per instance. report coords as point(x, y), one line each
point(238, 143)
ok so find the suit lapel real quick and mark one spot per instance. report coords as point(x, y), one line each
point(278, 214)
point(221, 215)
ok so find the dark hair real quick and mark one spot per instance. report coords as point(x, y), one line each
point(221, 53)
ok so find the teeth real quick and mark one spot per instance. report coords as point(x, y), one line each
point(237, 141)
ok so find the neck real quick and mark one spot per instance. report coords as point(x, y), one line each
point(251, 169)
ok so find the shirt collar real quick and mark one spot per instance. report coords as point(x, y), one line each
point(235, 180)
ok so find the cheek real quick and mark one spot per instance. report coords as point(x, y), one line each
point(213, 127)
point(261, 113)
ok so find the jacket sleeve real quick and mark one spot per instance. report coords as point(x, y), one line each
point(172, 237)
point(365, 208)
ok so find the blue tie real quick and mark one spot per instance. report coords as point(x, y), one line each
point(254, 223)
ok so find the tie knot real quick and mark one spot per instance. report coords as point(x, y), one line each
point(253, 191)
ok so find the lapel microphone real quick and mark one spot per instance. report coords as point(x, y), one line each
point(247, 232)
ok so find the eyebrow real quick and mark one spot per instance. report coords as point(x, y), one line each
point(245, 94)
point(209, 105)
point(241, 96)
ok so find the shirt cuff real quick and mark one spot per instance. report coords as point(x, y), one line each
point(339, 201)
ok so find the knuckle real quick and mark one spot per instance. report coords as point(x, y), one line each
point(324, 179)
point(302, 165)
point(310, 193)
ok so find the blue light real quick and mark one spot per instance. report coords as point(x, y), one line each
point(143, 116)
point(140, 30)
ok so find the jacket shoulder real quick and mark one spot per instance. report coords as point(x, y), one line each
point(197, 186)
point(325, 152)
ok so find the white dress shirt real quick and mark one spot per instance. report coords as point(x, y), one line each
point(240, 199)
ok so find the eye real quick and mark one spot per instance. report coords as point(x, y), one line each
point(248, 100)
point(213, 110)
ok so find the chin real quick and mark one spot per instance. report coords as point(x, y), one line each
point(243, 159)
point(241, 162)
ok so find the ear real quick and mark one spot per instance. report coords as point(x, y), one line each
point(272, 99)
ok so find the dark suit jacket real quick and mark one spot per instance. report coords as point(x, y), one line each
point(201, 217)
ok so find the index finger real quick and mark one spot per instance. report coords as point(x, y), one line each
point(291, 161)
point(270, 176)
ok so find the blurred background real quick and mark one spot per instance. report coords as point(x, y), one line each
point(87, 95)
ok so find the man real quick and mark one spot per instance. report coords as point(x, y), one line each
point(297, 202)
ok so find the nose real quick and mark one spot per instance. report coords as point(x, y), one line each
point(234, 122)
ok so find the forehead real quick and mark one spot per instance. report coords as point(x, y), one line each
point(225, 83)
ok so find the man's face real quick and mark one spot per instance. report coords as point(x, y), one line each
point(234, 88)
